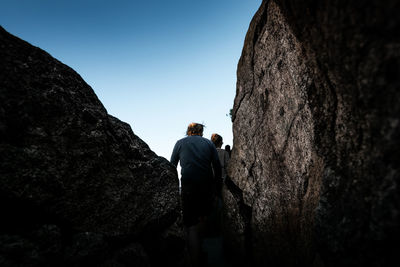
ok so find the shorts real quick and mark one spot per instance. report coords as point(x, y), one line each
point(196, 204)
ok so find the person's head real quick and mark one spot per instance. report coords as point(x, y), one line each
point(228, 148)
point(195, 129)
point(217, 140)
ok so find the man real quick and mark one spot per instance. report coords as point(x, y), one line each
point(223, 155)
point(198, 157)
point(228, 149)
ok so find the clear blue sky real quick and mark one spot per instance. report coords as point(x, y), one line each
point(157, 65)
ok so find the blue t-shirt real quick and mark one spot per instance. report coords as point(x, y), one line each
point(198, 157)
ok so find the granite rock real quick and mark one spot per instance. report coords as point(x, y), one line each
point(316, 128)
point(67, 163)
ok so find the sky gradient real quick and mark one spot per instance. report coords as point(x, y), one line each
point(157, 65)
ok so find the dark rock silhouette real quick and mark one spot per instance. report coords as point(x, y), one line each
point(316, 122)
point(78, 187)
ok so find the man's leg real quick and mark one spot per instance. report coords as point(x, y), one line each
point(195, 236)
point(194, 244)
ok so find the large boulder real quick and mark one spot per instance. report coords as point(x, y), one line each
point(316, 121)
point(77, 186)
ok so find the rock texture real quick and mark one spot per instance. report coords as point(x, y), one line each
point(316, 160)
point(78, 187)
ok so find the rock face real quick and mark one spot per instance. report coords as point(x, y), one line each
point(78, 187)
point(316, 160)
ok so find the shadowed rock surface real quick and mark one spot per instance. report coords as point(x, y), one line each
point(315, 164)
point(78, 187)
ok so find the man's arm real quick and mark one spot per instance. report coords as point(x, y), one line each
point(175, 155)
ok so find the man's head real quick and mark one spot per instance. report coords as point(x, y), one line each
point(195, 129)
point(217, 140)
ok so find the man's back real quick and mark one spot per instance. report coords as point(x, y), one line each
point(196, 154)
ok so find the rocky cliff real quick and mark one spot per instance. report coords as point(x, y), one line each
point(78, 187)
point(316, 159)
